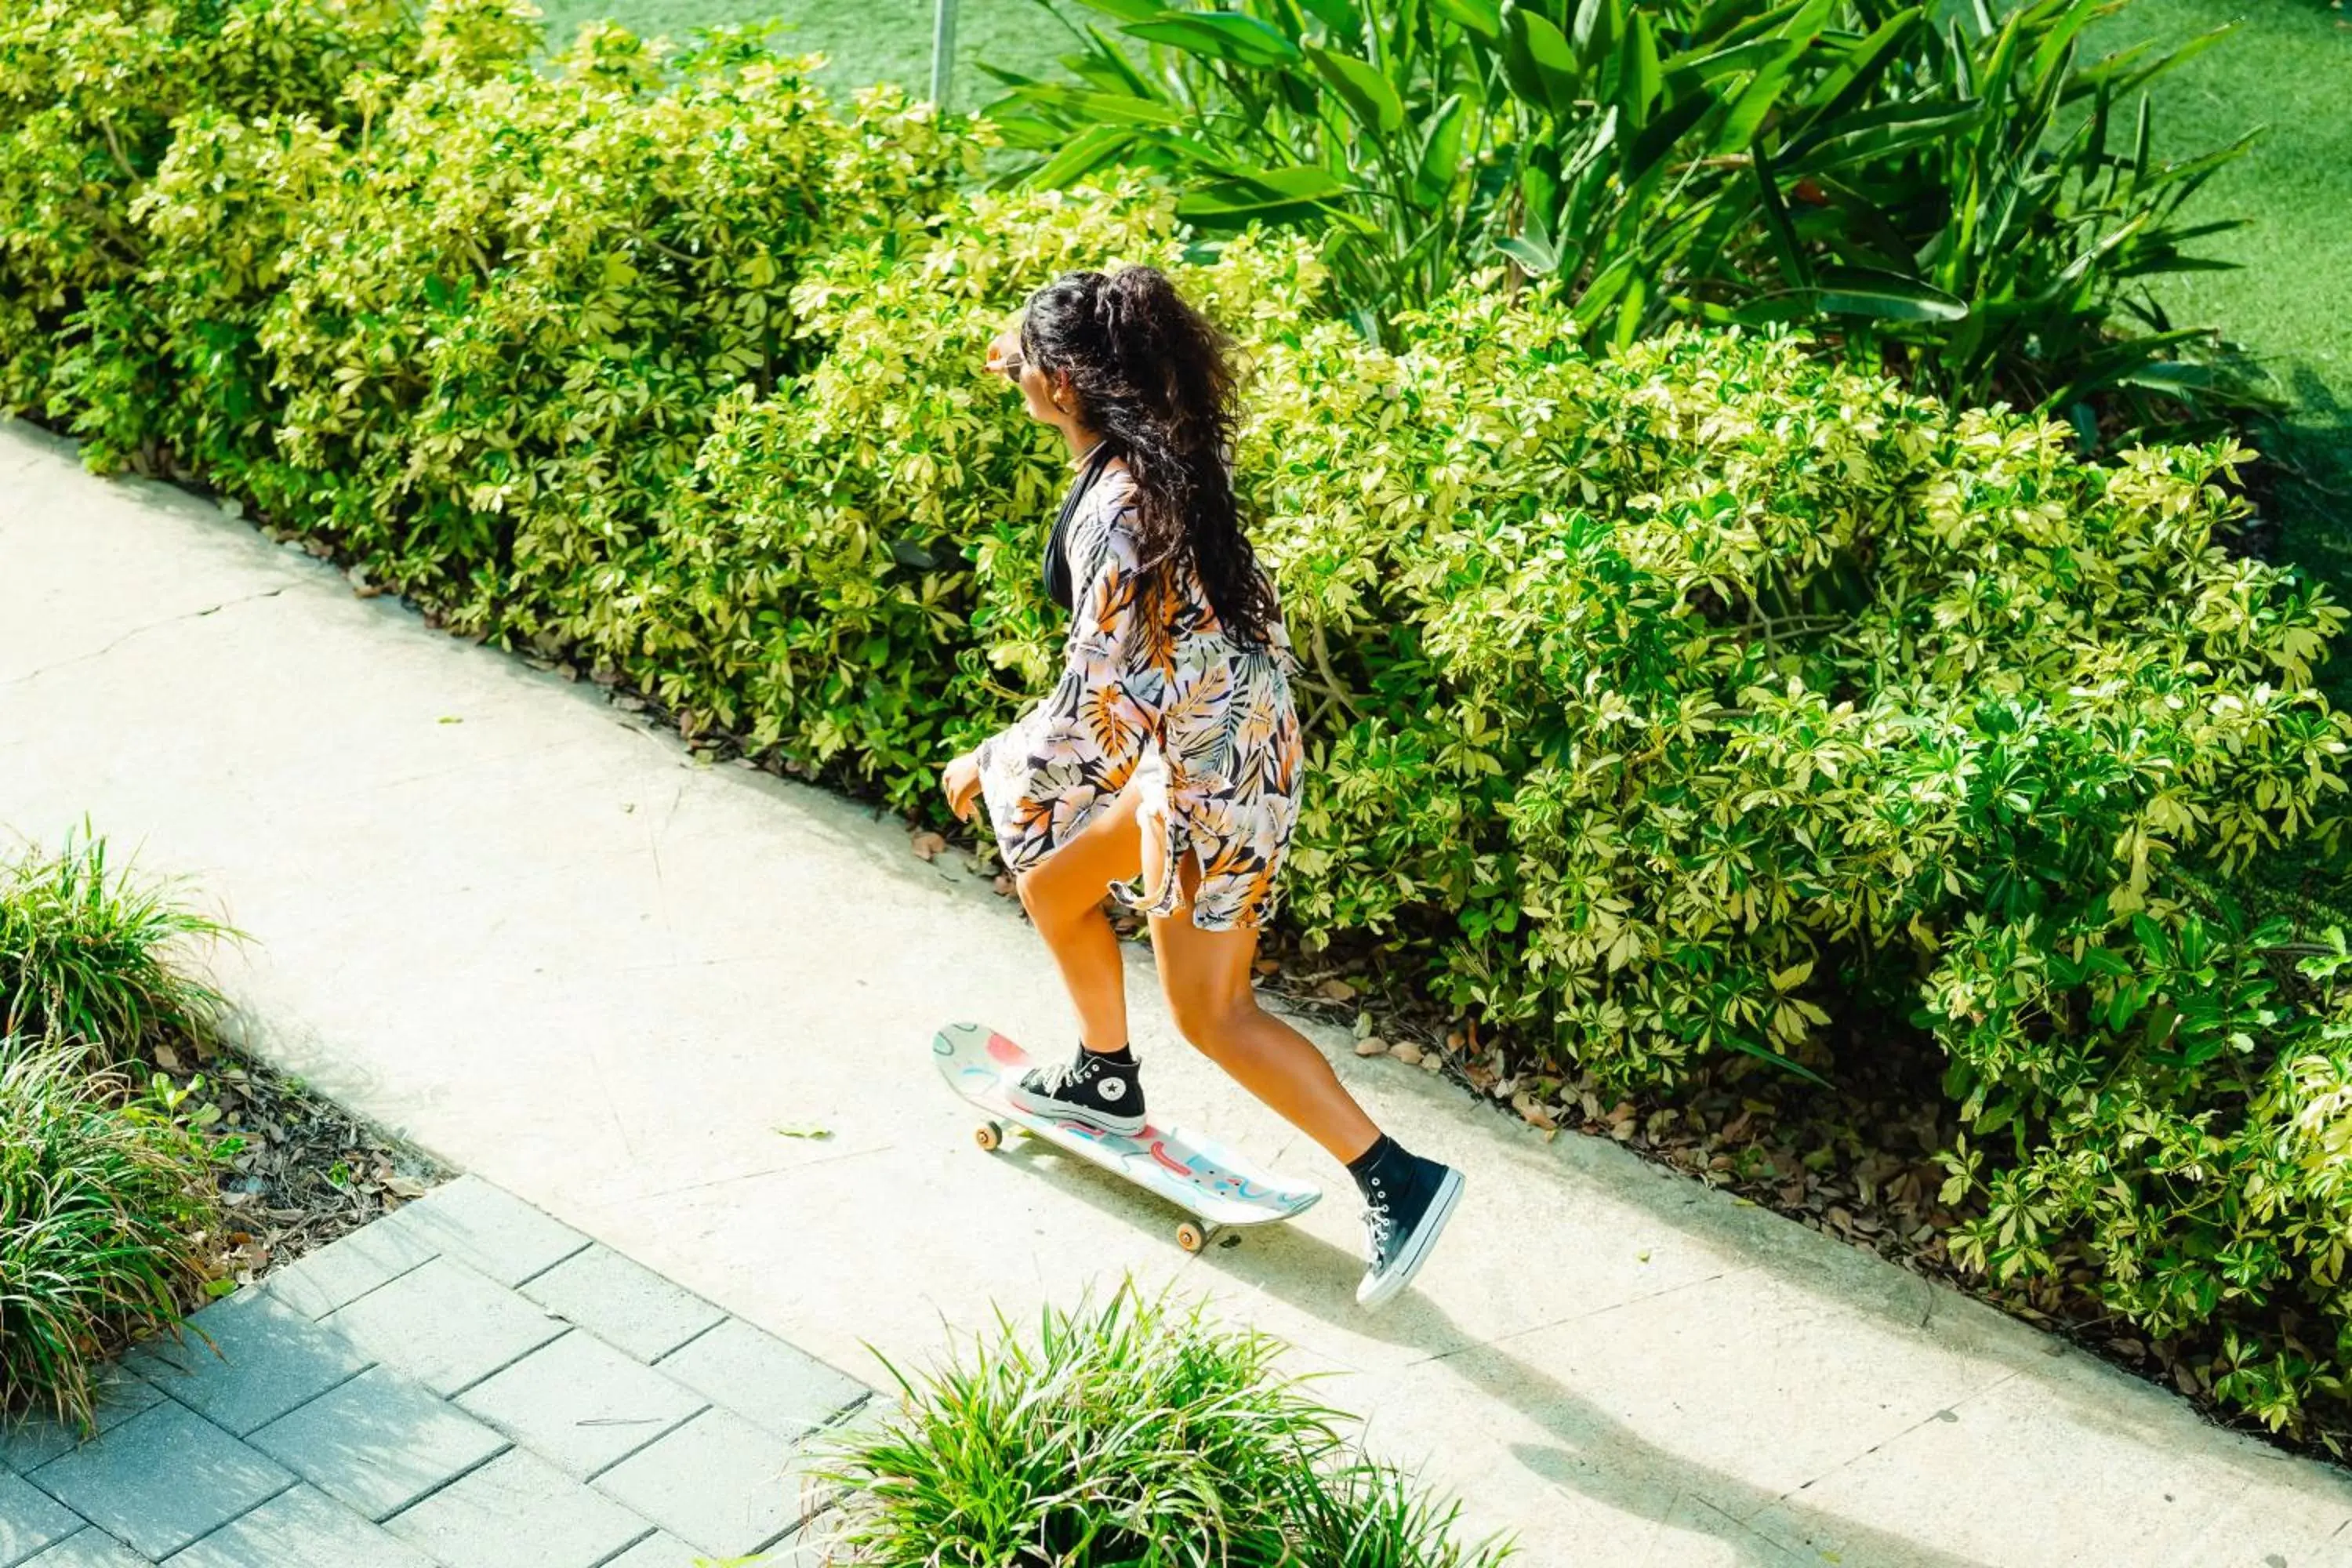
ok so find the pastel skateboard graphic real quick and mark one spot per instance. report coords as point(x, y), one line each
point(1218, 1187)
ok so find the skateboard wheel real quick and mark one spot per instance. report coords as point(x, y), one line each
point(1192, 1237)
point(988, 1135)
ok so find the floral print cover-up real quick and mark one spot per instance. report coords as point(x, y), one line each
point(1206, 722)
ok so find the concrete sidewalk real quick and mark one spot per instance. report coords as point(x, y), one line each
point(501, 917)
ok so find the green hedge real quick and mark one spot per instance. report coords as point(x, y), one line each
point(1696, 699)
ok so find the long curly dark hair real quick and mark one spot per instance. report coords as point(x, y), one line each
point(1156, 377)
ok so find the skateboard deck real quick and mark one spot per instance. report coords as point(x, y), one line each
point(1218, 1187)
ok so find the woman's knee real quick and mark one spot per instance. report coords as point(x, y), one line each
point(1211, 1020)
point(1057, 902)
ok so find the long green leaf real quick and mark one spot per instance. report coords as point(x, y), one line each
point(1441, 152)
point(1484, 18)
point(1226, 36)
point(1640, 79)
point(1079, 103)
point(1368, 94)
point(1594, 35)
point(1851, 81)
point(1257, 193)
point(1089, 150)
point(1691, 69)
point(1539, 60)
point(1343, 17)
point(1794, 264)
point(1763, 91)
point(1884, 296)
point(1536, 258)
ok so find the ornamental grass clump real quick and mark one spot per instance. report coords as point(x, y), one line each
point(1139, 1435)
point(108, 1212)
point(92, 954)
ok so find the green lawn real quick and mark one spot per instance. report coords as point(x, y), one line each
point(866, 40)
point(2288, 67)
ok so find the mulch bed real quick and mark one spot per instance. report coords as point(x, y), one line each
point(306, 1171)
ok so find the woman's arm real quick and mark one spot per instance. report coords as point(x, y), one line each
point(1049, 771)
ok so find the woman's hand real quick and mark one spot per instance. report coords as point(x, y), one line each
point(959, 781)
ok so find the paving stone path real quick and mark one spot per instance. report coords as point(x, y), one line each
point(467, 1383)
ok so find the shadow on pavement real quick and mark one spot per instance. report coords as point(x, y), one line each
point(1597, 1456)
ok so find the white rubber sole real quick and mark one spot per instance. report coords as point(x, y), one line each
point(1062, 1111)
point(1377, 1291)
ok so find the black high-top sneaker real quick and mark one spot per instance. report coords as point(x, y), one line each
point(1094, 1091)
point(1406, 1205)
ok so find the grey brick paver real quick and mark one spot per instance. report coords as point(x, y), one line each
point(582, 1404)
point(518, 1511)
point(493, 1231)
point(661, 1549)
point(90, 1549)
point(387, 1403)
point(718, 1481)
point(264, 1359)
point(446, 1325)
point(622, 1303)
point(347, 1269)
point(162, 1479)
point(30, 1520)
point(27, 1448)
point(379, 1442)
point(762, 1379)
point(303, 1528)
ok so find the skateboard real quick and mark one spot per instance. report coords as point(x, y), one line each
point(1218, 1187)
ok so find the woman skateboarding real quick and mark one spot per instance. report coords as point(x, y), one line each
point(1164, 765)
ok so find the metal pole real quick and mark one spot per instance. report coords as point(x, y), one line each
point(942, 50)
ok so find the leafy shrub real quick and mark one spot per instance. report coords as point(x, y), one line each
point(504, 327)
point(91, 94)
point(108, 1209)
point(1962, 192)
point(422, 296)
point(89, 954)
point(1136, 1435)
point(2148, 1098)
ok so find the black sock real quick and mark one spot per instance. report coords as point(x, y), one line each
point(1387, 1160)
point(1123, 1057)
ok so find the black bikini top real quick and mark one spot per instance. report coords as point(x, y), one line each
point(1058, 560)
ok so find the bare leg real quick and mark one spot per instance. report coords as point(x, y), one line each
point(1064, 897)
point(1207, 977)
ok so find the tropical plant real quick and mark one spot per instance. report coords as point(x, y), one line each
point(1912, 182)
point(1139, 1433)
point(90, 953)
point(109, 1213)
